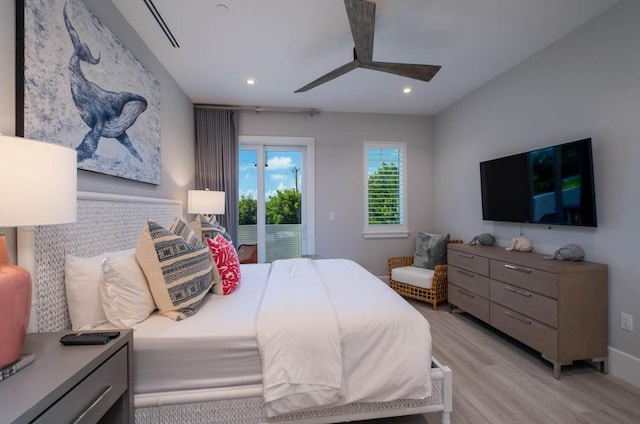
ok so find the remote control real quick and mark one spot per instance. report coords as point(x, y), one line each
point(96, 338)
point(108, 334)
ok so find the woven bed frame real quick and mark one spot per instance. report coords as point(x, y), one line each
point(113, 222)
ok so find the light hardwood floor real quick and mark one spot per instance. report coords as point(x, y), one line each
point(498, 380)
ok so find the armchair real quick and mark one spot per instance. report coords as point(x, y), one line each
point(434, 293)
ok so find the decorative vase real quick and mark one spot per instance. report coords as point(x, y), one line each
point(15, 307)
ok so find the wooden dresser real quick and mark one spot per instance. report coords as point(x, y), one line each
point(558, 308)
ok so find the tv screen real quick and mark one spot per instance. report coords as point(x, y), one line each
point(553, 185)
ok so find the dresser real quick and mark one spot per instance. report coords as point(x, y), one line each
point(83, 384)
point(558, 308)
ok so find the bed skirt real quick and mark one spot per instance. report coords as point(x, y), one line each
point(250, 410)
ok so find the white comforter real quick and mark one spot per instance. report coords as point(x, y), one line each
point(330, 332)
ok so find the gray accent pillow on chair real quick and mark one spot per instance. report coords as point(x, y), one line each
point(431, 250)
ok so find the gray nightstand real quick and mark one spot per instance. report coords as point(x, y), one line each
point(83, 384)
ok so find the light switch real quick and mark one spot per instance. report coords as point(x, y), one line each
point(332, 216)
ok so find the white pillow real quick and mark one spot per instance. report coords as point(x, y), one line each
point(82, 278)
point(126, 299)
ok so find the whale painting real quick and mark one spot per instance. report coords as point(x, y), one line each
point(85, 90)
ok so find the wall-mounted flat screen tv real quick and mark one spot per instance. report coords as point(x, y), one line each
point(553, 185)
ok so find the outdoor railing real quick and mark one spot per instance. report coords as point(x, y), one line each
point(283, 241)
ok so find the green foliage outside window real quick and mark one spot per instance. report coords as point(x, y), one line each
point(247, 210)
point(384, 195)
point(282, 208)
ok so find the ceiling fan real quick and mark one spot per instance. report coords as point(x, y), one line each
point(362, 15)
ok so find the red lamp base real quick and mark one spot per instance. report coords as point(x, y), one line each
point(15, 307)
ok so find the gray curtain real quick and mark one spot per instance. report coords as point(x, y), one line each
point(217, 159)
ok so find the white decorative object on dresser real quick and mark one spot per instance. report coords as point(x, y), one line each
point(558, 308)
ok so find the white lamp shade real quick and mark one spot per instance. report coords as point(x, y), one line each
point(38, 183)
point(205, 202)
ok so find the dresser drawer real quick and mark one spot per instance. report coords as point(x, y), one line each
point(540, 308)
point(532, 279)
point(469, 280)
point(470, 302)
point(530, 332)
point(469, 261)
point(94, 395)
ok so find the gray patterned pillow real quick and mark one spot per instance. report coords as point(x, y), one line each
point(431, 250)
point(209, 228)
point(179, 274)
point(180, 228)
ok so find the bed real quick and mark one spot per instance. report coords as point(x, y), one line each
point(234, 392)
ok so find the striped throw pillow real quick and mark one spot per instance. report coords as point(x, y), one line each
point(180, 228)
point(209, 228)
point(179, 274)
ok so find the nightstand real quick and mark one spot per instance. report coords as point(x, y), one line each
point(83, 384)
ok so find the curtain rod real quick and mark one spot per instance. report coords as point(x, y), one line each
point(258, 108)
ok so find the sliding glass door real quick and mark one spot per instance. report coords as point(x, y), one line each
point(276, 192)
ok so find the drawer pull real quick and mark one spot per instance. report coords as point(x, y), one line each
point(518, 291)
point(517, 268)
point(93, 404)
point(468, 274)
point(466, 293)
point(466, 255)
point(519, 318)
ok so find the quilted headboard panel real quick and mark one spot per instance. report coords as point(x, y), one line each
point(105, 223)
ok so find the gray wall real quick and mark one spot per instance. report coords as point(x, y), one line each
point(585, 85)
point(176, 113)
point(339, 171)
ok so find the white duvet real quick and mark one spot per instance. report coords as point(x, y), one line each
point(330, 332)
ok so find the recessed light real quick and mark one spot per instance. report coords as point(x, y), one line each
point(406, 90)
point(222, 8)
point(251, 81)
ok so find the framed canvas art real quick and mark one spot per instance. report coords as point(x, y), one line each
point(79, 86)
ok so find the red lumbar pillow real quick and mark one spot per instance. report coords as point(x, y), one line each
point(226, 259)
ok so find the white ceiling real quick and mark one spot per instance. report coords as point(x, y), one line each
point(285, 44)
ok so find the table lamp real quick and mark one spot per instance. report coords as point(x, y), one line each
point(205, 202)
point(38, 187)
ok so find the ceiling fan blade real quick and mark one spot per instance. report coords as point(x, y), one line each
point(362, 18)
point(419, 72)
point(331, 75)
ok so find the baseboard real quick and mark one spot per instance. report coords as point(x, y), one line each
point(624, 366)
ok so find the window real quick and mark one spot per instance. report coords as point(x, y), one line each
point(385, 182)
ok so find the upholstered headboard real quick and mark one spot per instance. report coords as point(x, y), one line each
point(105, 222)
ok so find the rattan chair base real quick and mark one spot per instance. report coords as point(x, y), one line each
point(438, 291)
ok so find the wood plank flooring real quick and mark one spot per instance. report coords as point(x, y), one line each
point(498, 380)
